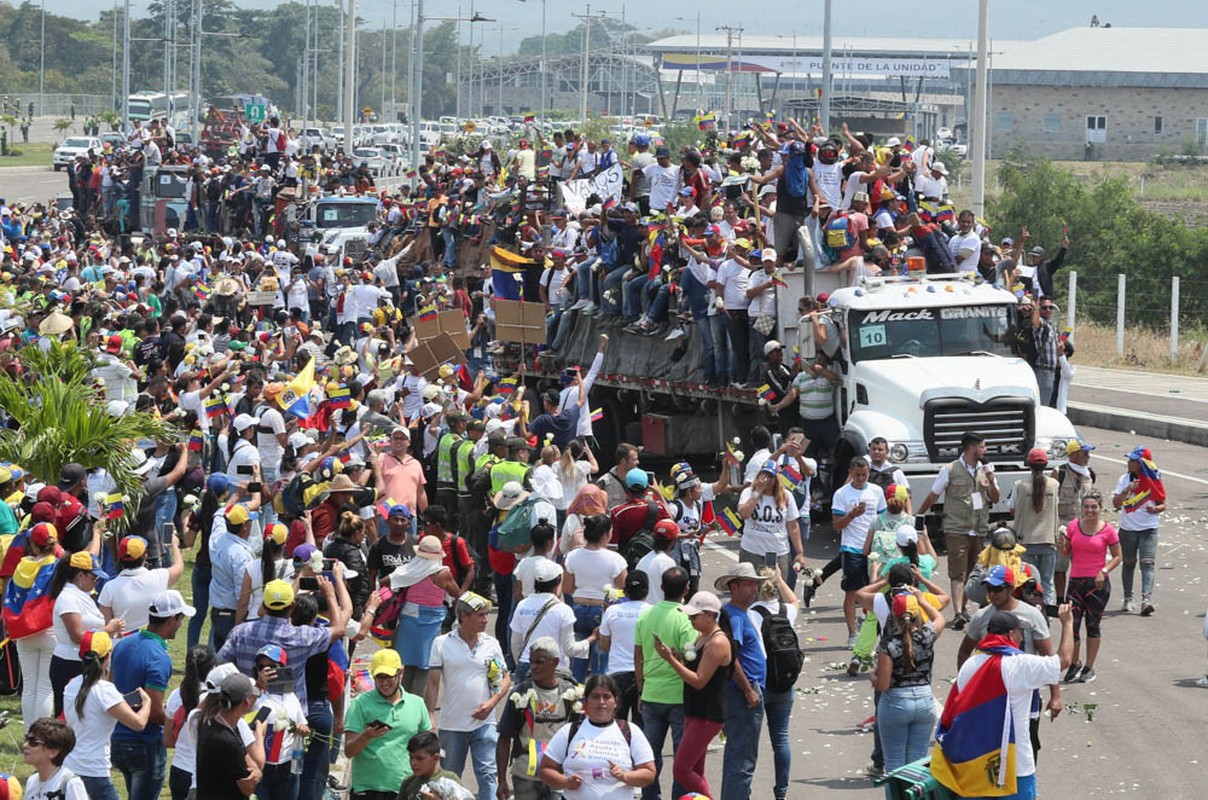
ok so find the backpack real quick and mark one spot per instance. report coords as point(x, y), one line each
point(301, 494)
point(386, 618)
point(936, 251)
point(515, 530)
point(623, 725)
point(641, 542)
point(784, 655)
point(838, 235)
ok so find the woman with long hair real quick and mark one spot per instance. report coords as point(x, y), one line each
point(769, 521)
point(688, 511)
point(346, 547)
point(588, 501)
point(273, 565)
point(704, 669)
point(93, 707)
point(202, 525)
point(180, 704)
point(906, 710)
point(28, 616)
point(75, 613)
point(1093, 547)
point(1034, 503)
point(575, 467)
point(588, 571)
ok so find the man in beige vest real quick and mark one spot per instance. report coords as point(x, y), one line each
point(1074, 480)
point(969, 488)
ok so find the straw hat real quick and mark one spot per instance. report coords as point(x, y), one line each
point(55, 324)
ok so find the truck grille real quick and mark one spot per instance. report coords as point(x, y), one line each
point(1007, 425)
point(355, 249)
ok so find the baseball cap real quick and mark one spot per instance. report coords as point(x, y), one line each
point(303, 552)
point(43, 534)
point(666, 529)
point(662, 152)
point(546, 570)
point(769, 467)
point(274, 653)
point(768, 254)
point(771, 346)
point(71, 474)
point(636, 479)
point(1139, 453)
point(276, 533)
point(702, 601)
point(98, 642)
point(131, 548)
point(114, 343)
point(897, 491)
point(238, 687)
point(239, 514)
point(906, 536)
point(1077, 446)
point(169, 603)
point(85, 560)
point(278, 595)
point(1037, 457)
point(385, 662)
point(243, 422)
point(906, 603)
point(998, 575)
point(1002, 622)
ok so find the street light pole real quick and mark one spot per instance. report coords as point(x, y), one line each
point(42, 67)
point(350, 75)
point(417, 81)
point(126, 65)
point(824, 105)
point(977, 125)
point(195, 101)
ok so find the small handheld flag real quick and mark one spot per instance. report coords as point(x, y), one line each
point(729, 521)
point(340, 398)
point(507, 386)
point(195, 440)
point(767, 393)
point(597, 415)
point(114, 506)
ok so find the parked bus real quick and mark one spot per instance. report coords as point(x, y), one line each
point(145, 106)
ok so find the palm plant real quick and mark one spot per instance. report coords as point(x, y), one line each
point(57, 417)
point(112, 119)
point(62, 126)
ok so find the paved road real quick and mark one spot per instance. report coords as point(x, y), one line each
point(1147, 734)
point(22, 185)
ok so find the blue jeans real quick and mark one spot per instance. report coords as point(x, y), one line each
point(905, 722)
point(722, 353)
point(503, 592)
point(201, 601)
point(632, 294)
point(1143, 544)
point(657, 310)
point(1044, 558)
point(612, 280)
point(587, 618)
point(480, 745)
point(99, 788)
point(742, 745)
point(778, 707)
point(316, 764)
point(143, 763)
point(583, 282)
point(278, 783)
point(165, 513)
point(657, 719)
point(1045, 378)
point(450, 258)
point(222, 622)
point(552, 324)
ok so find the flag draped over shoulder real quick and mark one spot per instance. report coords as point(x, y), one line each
point(974, 751)
point(27, 600)
point(1150, 488)
point(507, 273)
point(296, 397)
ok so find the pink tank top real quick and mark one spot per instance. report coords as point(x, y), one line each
point(426, 593)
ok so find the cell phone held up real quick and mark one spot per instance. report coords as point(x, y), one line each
point(308, 584)
point(133, 699)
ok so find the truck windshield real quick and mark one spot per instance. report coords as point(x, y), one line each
point(929, 332)
point(345, 215)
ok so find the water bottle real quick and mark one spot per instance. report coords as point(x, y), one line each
point(295, 764)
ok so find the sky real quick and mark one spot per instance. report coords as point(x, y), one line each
point(1009, 19)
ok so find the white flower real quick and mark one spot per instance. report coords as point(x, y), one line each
point(689, 654)
point(577, 708)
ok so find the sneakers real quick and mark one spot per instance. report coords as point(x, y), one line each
point(677, 333)
point(580, 305)
point(1127, 605)
point(1202, 682)
point(959, 621)
point(1147, 608)
point(1087, 675)
point(874, 770)
point(851, 640)
point(1073, 673)
point(853, 666)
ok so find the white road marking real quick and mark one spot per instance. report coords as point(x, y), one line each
point(717, 548)
point(1164, 472)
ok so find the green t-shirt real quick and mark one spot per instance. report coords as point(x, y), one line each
point(661, 683)
point(384, 764)
point(8, 520)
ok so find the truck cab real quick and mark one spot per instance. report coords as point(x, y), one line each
point(924, 360)
point(338, 225)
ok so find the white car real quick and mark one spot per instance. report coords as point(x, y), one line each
point(943, 133)
point(373, 157)
point(74, 146)
point(317, 136)
point(396, 154)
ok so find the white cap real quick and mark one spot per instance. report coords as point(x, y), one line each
point(770, 346)
point(768, 254)
point(907, 535)
point(169, 603)
point(243, 422)
point(893, 141)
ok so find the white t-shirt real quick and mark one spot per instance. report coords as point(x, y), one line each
point(90, 757)
point(847, 498)
point(131, 592)
point(285, 714)
point(735, 280)
point(688, 516)
point(755, 464)
point(1022, 674)
point(72, 600)
point(73, 789)
point(556, 286)
point(588, 756)
point(270, 448)
point(184, 755)
point(764, 531)
point(558, 616)
point(593, 570)
point(525, 568)
point(967, 241)
point(1142, 519)
point(246, 455)
point(191, 401)
point(464, 678)
point(664, 183)
point(620, 622)
point(654, 564)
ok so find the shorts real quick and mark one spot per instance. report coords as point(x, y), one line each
point(855, 571)
point(963, 551)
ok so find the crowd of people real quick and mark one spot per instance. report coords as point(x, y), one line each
point(336, 493)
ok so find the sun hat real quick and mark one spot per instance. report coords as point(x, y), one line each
point(739, 572)
point(703, 600)
point(430, 547)
point(509, 495)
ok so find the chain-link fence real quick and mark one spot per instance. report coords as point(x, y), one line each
point(31, 104)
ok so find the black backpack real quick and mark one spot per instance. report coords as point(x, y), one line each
point(785, 658)
point(641, 542)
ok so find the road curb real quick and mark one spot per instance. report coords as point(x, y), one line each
point(1139, 423)
point(9, 170)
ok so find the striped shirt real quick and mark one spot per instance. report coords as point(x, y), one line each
point(815, 396)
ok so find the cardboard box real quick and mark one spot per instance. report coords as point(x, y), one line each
point(518, 321)
point(428, 355)
point(451, 322)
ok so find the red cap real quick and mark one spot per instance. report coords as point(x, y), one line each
point(114, 343)
point(666, 529)
point(1038, 457)
point(43, 534)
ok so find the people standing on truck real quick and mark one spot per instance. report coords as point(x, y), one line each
point(777, 376)
point(1075, 479)
point(1045, 337)
point(1033, 503)
point(1140, 498)
point(970, 488)
point(814, 391)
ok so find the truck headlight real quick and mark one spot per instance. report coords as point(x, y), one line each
point(1057, 449)
point(898, 453)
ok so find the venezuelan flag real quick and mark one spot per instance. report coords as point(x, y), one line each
point(507, 273)
point(729, 521)
point(196, 440)
point(790, 476)
point(215, 407)
point(114, 506)
point(201, 291)
point(597, 415)
point(27, 601)
point(340, 398)
point(767, 392)
point(706, 122)
point(974, 751)
point(427, 313)
point(296, 397)
point(507, 386)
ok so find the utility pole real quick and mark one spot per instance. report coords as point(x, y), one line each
point(350, 74)
point(393, 59)
point(585, 72)
point(977, 125)
point(340, 82)
point(827, 74)
point(126, 67)
point(304, 106)
point(729, 30)
point(196, 99)
point(417, 83)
